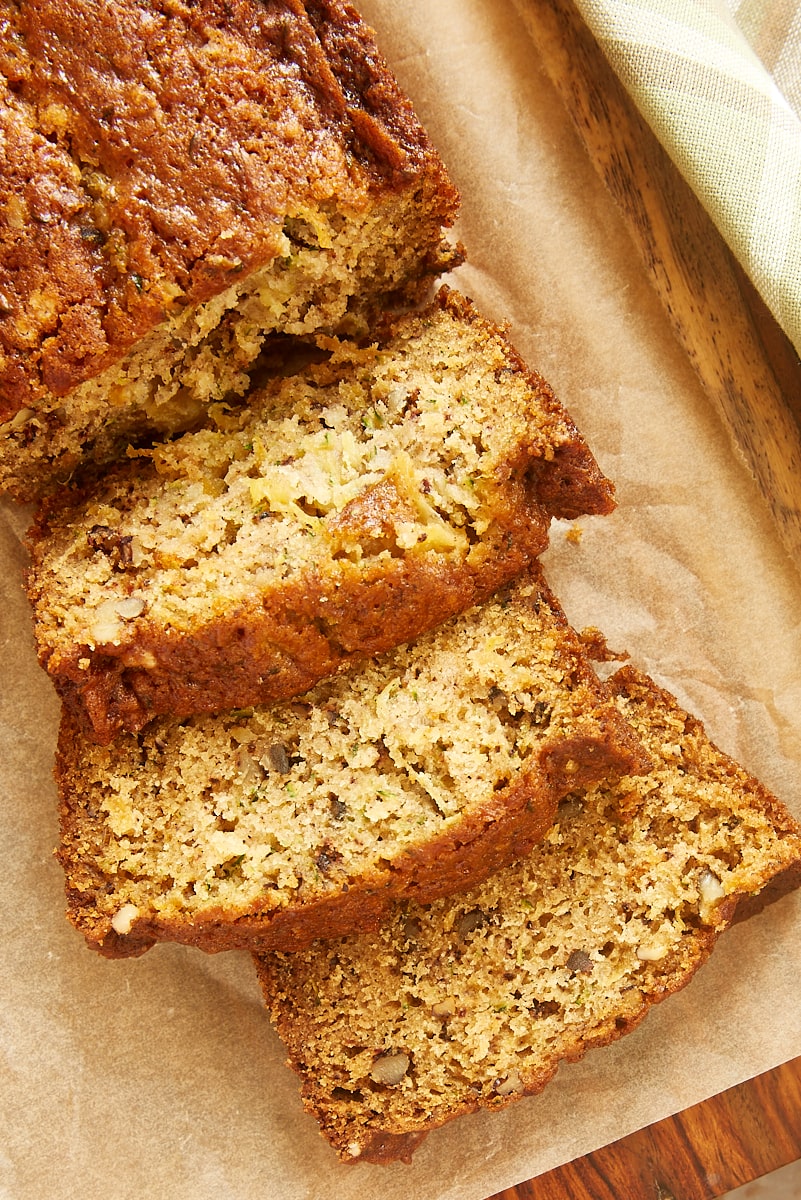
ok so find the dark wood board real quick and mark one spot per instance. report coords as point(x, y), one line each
point(746, 365)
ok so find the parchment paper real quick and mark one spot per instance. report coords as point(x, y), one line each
point(161, 1076)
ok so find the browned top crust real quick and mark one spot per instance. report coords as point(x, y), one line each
point(152, 151)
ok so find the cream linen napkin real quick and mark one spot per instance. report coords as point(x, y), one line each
point(719, 82)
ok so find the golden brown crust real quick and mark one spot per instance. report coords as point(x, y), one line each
point(570, 484)
point(501, 832)
point(153, 151)
point(386, 131)
point(382, 1147)
point(630, 684)
point(287, 640)
point(496, 825)
point(284, 637)
point(484, 842)
point(474, 1001)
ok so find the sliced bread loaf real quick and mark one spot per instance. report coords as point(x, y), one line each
point(178, 181)
point(474, 1001)
point(415, 776)
point(349, 508)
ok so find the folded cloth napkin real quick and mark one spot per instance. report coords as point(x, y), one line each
point(719, 82)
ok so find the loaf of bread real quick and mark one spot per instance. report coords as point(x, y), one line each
point(347, 509)
point(415, 776)
point(474, 1001)
point(179, 180)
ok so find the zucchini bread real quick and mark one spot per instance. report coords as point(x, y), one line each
point(415, 776)
point(180, 178)
point(348, 508)
point(474, 1001)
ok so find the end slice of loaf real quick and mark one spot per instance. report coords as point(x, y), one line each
point(416, 776)
point(474, 1001)
point(178, 182)
point(348, 509)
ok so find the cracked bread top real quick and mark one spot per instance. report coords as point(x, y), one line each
point(154, 150)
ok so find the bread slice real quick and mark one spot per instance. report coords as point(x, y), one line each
point(474, 1001)
point(178, 181)
point(346, 510)
point(416, 776)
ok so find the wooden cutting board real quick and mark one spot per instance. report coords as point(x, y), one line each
point(746, 365)
point(699, 1154)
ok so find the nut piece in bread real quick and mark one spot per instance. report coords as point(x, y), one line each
point(346, 510)
point(416, 775)
point(476, 1000)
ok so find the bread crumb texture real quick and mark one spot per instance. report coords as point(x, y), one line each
point(179, 180)
point(416, 775)
point(346, 509)
point(475, 1000)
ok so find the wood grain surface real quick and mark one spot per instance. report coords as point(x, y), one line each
point(745, 364)
point(701, 1153)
